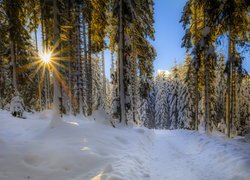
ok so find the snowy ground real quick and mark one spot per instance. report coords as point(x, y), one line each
point(189, 155)
point(83, 149)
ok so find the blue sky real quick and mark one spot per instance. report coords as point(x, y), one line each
point(169, 33)
point(168, 37)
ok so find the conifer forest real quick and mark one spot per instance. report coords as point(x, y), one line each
point(82, 97)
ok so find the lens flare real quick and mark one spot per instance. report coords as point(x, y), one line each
point(45, 57)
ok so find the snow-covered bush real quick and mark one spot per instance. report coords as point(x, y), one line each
point(247, 138)
point(17, 106)
point(222, 126)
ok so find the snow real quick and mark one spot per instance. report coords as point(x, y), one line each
point(90, 148)
point(247, 138)
point(76, 149)
point(164, 72)
point(17, 106)
point(183, 154)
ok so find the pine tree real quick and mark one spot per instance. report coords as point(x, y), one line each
point(234, 21)
point(14, 24)
point(188, 112)
point(174, 111)
point(203, 48)
point(162, 101)
point(150, 110)
point(220, 92)
point(132, 29)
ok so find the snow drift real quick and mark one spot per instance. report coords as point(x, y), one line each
point(76, 149)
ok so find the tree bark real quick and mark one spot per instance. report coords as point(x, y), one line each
point(104, 78)
point(207, 98)
point(69, 62)
point(229, 92)
point(56, 91)
point(121, 61)
point(79, 63)
point(85, 91)
point(89, 71)
point(13, 62)
point(2, 84)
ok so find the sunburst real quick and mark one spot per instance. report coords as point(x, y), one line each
point(50, 62)
point(45, 56)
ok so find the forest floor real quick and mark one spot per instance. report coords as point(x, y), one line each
point(90, 148)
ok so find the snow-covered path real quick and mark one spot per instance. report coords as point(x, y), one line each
point(189, 155)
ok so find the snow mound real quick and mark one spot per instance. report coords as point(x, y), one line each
point(247, 138)
point(76, 149)
point(17, 106)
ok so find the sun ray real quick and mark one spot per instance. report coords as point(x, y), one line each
point(26, 66)
point(36, 70)
point(60, 79)
point(57, 64)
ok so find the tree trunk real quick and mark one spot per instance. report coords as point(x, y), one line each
point(234, 120)
point(79, 63)
point(229, 92)
point(39, 75)
point(2, 84)
point(134, 89)
point(196, 101)
point(13, 62)
point(196, 82)
point(56, 91)
point(44, 49)
point(207, 98)
point(89, 71)
point(69, 62)
point(104, 79)
point(121, 61)
point(206, 77)
point(85, 92)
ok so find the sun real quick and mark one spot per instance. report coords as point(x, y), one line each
point(45, 57)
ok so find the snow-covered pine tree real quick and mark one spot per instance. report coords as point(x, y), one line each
point(15, 35)
point(244, 104)
point(162, 106)
point(186, 114)
point(174, 99)
point(97, 83)
point(192, 19)
point(234, 18)
point(114, 88)
point(149, 114)
point(186, 104)
point(220, 93)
